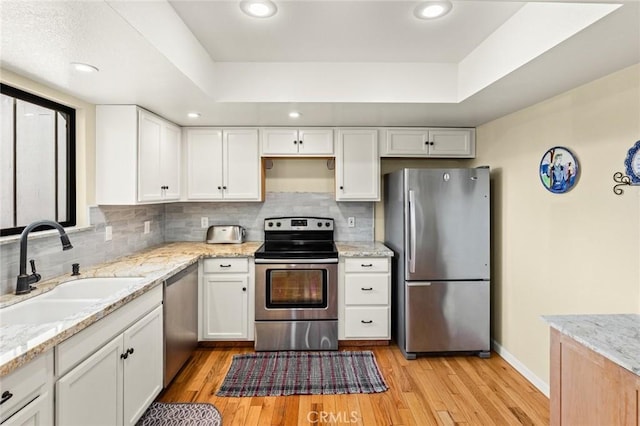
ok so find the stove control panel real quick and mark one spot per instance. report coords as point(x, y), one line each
point(298, 224)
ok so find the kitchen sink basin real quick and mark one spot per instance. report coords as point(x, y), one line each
point(41, 311)
point(64, 301)
point(91, 288)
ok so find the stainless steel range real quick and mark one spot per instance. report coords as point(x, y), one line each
point(297, 285)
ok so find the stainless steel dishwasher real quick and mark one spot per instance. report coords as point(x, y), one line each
point(180, 320)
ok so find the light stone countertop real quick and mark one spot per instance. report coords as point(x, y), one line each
point(614, 336)
point(19, 344)
point(363, 249)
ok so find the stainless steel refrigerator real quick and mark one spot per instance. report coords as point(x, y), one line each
point(437, 223)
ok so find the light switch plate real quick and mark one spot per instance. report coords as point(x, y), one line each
point(108, 233)
point(351, 222)
point(147, 226)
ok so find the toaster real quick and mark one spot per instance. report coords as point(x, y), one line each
point(225, 234)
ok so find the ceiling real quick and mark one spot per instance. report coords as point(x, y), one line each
point(342, 63)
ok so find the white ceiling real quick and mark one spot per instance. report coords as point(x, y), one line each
point(338, 62)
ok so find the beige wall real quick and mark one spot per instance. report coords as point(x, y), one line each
point(577, 252)
point(85, 138)
point(299, 175)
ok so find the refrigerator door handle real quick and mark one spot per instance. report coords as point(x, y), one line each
point(412, 231)
point(418, 284)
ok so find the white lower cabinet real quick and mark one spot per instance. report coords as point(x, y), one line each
point(116, 383)
point(226, 294)
point(27, 394)
point(365, 299)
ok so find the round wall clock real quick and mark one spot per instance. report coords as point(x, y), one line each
point(632, 163)
point(559, 170)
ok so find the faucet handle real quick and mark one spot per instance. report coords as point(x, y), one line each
point(34, 273)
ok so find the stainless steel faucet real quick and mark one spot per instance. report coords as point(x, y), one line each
point(23, 285)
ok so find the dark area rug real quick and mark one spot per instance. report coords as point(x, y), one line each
point(180, 414)
point(302, 373)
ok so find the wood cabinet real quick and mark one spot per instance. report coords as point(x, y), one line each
point(357, 165)
point(112, 371)
point(226, 295)
point(27, 393)
point(297, 142)
point(364, 299)
point(588, 389)
point(428, 142)
point(223, 164)
point(137, 156)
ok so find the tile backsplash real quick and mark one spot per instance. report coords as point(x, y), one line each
point(173, 222)
point(182, 220)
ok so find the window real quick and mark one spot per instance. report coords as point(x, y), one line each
point(37, 161)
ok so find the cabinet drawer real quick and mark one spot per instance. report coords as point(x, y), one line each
point(366, 264)
point(366, 289)
point(240, 264)
point(26, 383)
point(369, 322)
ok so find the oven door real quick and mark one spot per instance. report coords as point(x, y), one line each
point(296, 291)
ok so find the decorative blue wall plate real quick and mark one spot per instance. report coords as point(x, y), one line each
point(632, 163)
point(559, 170)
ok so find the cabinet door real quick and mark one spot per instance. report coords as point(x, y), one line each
point(315, 141)
point(204, 164)
point(38, 412)
point(91, 393)
point(170, 161)
point(452, 143)
point(225, 308)
point(143, 366)
point(406, 142)
point(242, 172)
point(279, 141)
point(357, 165)
point(149, 146)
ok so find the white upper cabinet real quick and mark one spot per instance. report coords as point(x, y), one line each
point(297, 142)
point(137, 156)
point(223, 164)
point(357, 165)
point(429, 142)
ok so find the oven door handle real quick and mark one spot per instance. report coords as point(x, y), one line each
point(282, 261)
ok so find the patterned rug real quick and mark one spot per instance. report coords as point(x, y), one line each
point(180, 414)
point(302, 373)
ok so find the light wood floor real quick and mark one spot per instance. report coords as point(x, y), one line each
point(427, 391)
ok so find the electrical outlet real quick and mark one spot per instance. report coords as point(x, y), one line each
point(351, 222)
point(108, 233)
point(204, 222)
point(147, 226)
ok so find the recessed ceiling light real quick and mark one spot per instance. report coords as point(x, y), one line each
point(294, 114)
point(193, 115)
point(78, 66)
point(432, 9)
point(258, 8)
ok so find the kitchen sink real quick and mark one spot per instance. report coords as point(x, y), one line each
point(41, 311)
point(91, 288)
point(64, 301)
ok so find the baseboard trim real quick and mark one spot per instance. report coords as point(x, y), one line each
point(536, 381)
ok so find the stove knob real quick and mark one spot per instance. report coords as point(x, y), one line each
point(278, 224)
point(328, 224)
point(270, 224)
point(319, 224)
